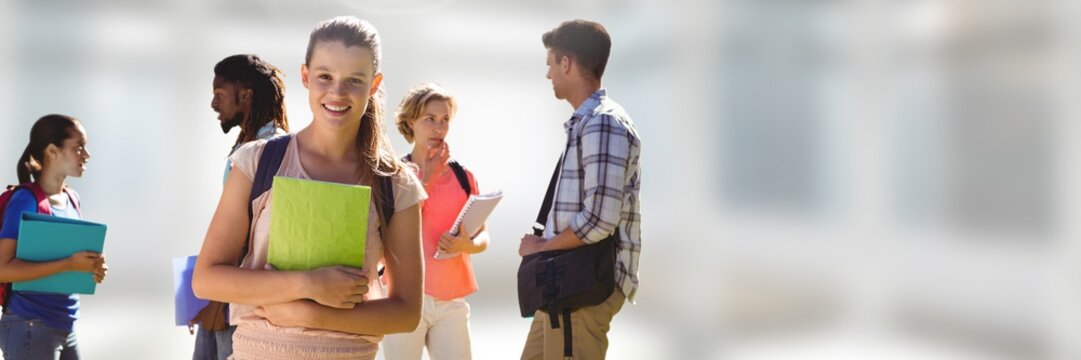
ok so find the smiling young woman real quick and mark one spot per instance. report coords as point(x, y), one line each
point(335, 311)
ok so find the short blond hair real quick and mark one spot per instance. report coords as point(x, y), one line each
point(413, 104)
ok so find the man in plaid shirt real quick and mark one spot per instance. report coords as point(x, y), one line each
point(597, 188)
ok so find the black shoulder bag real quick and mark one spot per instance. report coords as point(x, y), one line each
point(561, 281)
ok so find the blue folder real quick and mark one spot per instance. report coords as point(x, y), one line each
point(48, 238)
point(187, 305)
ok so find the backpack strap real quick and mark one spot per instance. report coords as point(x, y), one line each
point(269, 163)
point(271, 160)
point(463, 178)
point(43, 199)
point(459, 172)
point(554, 313)
point(39, 196)
point(74, 196)
point(386, 194)
point(546, 204)
point(43, 207)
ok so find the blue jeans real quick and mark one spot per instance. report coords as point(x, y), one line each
point(32, 339)
point(213, 345)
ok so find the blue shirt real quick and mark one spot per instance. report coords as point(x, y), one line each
point(265, 133)
point(57, 310)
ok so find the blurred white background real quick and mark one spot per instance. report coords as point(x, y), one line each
point(831, 179)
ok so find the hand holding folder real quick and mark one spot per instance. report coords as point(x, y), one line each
point(50, 238)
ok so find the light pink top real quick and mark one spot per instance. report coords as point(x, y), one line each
point(407, 193)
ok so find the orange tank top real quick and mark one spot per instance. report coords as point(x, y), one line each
point(452, 278)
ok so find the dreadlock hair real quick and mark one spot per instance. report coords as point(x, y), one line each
point(248, 71)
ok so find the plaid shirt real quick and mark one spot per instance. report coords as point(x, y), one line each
point(597, 190)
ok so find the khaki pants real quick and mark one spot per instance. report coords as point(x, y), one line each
point(589, 331)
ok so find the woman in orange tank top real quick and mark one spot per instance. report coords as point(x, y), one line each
point(424, 118)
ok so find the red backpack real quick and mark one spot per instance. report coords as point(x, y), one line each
point(43, 208)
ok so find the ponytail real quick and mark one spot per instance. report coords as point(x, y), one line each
point(48, 130)
point(27, 166)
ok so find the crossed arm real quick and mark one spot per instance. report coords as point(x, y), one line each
point(327, 298)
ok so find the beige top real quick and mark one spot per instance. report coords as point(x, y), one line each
point(407, 192)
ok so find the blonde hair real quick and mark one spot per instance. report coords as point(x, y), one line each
point(413, 104)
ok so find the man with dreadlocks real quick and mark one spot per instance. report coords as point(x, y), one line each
point(248, 92)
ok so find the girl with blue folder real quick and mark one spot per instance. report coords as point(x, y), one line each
point(41, 325)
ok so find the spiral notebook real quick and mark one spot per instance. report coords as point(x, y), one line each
point(473, 214)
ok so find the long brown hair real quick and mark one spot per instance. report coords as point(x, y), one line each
point(49, 129)
point(377, 158)
point(268, 92)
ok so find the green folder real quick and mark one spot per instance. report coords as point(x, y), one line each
point(48, 238)
point(315, 224)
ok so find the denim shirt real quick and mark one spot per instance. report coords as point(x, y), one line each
point(266, 132)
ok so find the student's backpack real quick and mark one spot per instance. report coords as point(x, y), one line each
point(459, 172)
point(271, 160)
point(43, 208)
point(269, 163)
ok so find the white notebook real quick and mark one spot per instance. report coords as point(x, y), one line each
point(473, 214)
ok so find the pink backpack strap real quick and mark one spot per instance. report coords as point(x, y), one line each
point(74, 196)
point(43, 199)
point(39, 195)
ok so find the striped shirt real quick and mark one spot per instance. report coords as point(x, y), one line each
point(597, 190)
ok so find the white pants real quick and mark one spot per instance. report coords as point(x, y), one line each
point(443, 328)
